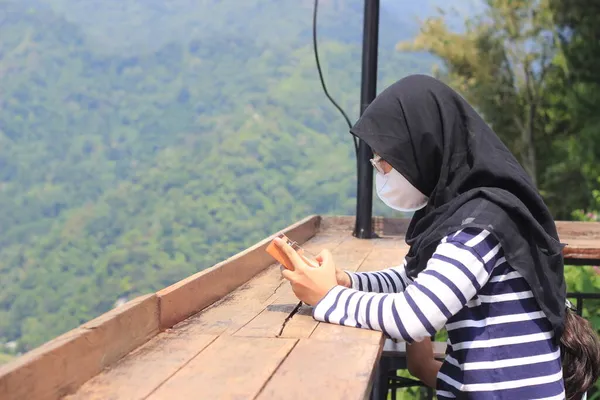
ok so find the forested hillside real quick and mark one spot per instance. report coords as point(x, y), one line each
point(144, 140)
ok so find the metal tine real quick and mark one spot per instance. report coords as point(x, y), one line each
point(296, 246)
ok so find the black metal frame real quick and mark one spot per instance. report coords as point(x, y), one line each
point(580, 297)
point(386, 379)
point(363, 228)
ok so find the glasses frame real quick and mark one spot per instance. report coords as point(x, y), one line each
point(375, 163)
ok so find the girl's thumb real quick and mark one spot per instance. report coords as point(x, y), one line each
point(325, 256)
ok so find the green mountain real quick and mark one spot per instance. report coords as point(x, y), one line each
point(142, 141)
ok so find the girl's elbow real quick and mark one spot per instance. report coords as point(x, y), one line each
point(414, 367)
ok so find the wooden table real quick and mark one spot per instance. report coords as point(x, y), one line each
point(259, 342)
point(256, 342)
point(582, 240)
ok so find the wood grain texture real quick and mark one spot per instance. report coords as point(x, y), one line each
point(349, 255)
point(324, 370)
point(284, 305)
point(62, 365)
point(398, 349)
point(187, 297)
point(230, 368)
point(140, 373)
point(235, 310)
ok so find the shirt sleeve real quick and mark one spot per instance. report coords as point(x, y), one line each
point(391, 280)
point(460, 266)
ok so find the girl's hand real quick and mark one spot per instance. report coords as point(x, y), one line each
point(343, 279)
point(309, 284)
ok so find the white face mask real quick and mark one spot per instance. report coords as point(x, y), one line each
point(397, 192)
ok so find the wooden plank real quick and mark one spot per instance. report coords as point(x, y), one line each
point(284, 303)
point(324, 370)
point(382, 258)
point(381, 225)
point(390, 242)
point(301, 324)
point(270, 322)
point(337, 223)
point(235, 310)
point(398, 349)
point(322, 241)
point(351, 252)
point(582, 240)
point(230, 368)
point(568, 230)
point(386, 252)
point(346, 223)
point(123, 329)
point(62, 365)
point(582, 249)
point(349, 255)
point(39, 374)
point(243, 305)
point(338, 333)
point(393, 226)
point(144, 370)
point(187, 297)
point(283, 318)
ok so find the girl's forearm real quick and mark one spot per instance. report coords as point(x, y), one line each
point(422, 363)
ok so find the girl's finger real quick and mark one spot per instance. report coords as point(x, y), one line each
point(287, 274)
point(314, 264)
point(291, 253)
point(325, 256)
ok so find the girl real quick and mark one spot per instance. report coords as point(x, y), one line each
point(484, 260)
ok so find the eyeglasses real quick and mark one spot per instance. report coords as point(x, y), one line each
point(375, 163)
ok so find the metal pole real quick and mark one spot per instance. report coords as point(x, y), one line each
point(364, 197)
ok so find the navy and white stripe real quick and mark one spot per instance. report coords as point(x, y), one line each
point(500, 343)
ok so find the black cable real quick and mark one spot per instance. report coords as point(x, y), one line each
point(316, 6)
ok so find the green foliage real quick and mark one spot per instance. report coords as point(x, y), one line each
point(4, 358)
point(593, 213)
point(573, 110)
point(531, 86)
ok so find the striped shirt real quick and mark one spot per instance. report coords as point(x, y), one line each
point(500, 343)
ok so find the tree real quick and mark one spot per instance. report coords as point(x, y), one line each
point(578, 88)
point(501, 65)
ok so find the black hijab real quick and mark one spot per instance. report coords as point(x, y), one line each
point(432, 136)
